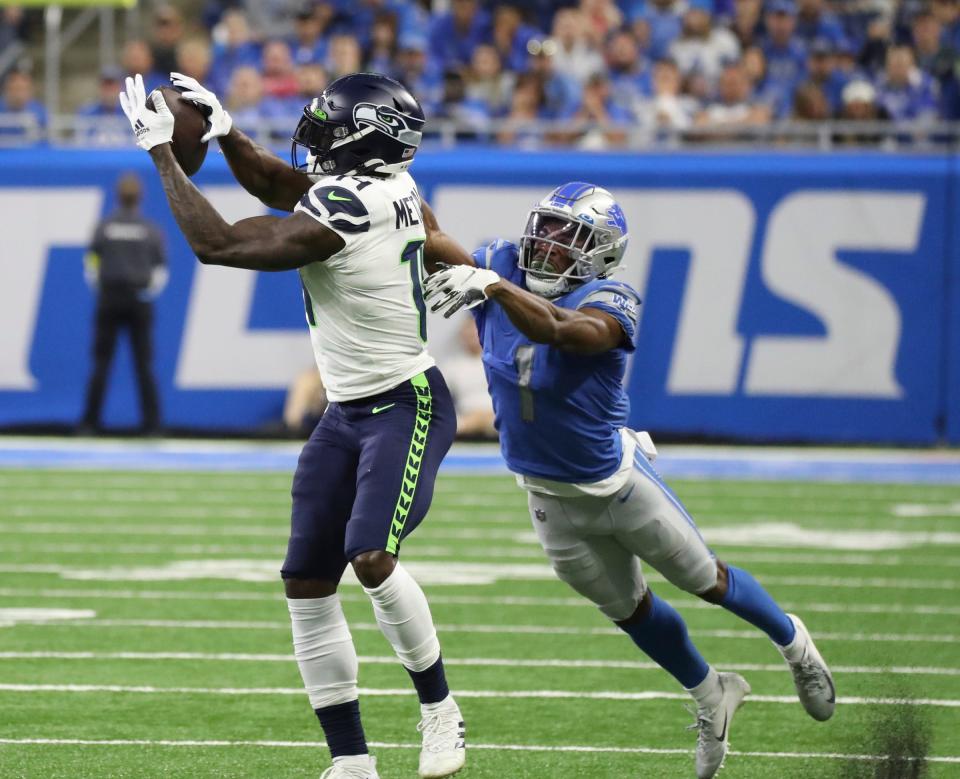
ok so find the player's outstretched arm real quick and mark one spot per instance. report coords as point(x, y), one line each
point(262, 173)
point(267, 243)
point(259, 171)
point(440, 248)
point(583, 331)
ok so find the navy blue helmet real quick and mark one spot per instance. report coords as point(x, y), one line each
point(361, 123)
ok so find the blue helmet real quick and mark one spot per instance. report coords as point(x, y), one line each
point(361, 123)
point(580, 222)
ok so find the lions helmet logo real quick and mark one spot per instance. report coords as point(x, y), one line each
point(386, 120)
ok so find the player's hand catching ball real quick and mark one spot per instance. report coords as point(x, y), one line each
point(220, 121)
point(151, 128)
point(458, 286)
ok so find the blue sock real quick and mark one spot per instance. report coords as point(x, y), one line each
point(431, 683)
point(341, 725)
point(748, 600)
point(662, 634)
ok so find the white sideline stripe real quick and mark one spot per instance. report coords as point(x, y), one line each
point(522, 551)
point(481, 515)
point(496, 747)
point(543, 571)
point(461, 600)
point(377, 692)
point(100, 550)
point(170, 624)
point(479, 662)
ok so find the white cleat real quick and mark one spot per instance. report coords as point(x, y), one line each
point(443, 751)
point(812, 678)
point(352, 767)
point(714, 725)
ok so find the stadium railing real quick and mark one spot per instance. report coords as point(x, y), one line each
point(18, 130)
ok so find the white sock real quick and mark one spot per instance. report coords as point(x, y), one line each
point(354, 761)
point(708, 693)
point(324, 650)
point(429, 708)
point(404, 618)
point(793, 652)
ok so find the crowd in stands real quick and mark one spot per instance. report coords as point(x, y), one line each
point(621, 67)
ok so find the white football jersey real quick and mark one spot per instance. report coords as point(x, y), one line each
point(364, 304)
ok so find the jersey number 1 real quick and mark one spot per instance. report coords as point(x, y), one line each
point(413, 253)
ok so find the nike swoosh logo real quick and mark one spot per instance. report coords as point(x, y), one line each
point(378, 409)
point(723, 733)
point(335, 196)
point(629, 493)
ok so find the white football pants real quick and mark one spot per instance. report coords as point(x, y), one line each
point(596, 543)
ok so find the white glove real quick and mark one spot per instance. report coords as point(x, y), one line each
point(457, 286)
point(220, 121)
point(152, 128)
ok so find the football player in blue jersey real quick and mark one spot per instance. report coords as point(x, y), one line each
point(556, 331)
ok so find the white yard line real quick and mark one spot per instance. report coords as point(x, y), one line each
point(516, 517)
point(908, 609)
point(525, 571)
point(568, 748)
point(548, 630)
point(378, 692)
point(477, 662)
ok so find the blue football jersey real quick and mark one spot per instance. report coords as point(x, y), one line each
point(558, 413)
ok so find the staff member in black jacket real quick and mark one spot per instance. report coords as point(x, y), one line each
point(127, 266)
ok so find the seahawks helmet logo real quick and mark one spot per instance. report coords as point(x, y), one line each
point(388, 121)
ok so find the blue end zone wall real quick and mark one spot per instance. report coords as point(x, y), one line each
point(786, 297)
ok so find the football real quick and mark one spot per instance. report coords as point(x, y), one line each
point(190, 124)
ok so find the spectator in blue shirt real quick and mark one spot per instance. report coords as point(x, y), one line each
point(665, 20)
point(137, 57)
point(244, 99)
point(454, 35)
point(948, 14)
point(311, 81)
point(511, 37)
point(487, 83)
point(166, 34)
point(416, 72)
point(358, 17)
point(102, 122)
point(823, 73)
point(905, 91)
point(308, 44)
point(194, 60)
point(786, 55)
point(937, 59)
point(382, 44)
point(528, 105)
point(813, 22)
point(561, 93)
point(237, 50)
point(598, 106)
point(469, 114)
point(106, 104)
point(629, 71)
point(747, 22)
point(344, 56)
point(933, 55)
point(20, 113)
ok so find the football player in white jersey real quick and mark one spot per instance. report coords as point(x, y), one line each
point(359, 235)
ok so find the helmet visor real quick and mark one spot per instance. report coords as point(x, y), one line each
point(316, 134)
point(552, 244)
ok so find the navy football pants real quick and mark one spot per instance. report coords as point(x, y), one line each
point(365, 478)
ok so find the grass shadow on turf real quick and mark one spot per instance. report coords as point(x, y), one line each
point(901, 735)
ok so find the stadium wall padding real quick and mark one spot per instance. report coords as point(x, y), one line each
point(799, 297)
